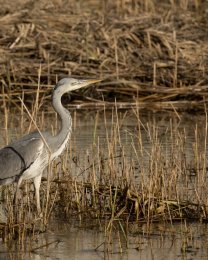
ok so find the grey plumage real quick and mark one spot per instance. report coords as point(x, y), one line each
point(27, 157)
point(21, 154)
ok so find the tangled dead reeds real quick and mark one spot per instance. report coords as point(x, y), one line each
point(115, 203)
point(146, 51)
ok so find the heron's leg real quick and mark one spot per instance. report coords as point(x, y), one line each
point(16, 195)
point(37, 182)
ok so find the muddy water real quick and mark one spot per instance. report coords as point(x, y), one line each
point(78, 241)
point(63, 241)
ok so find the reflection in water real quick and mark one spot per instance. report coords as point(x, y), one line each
point(93, 132)
point(73, 242)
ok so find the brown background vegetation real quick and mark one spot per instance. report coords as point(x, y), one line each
point(147, 51)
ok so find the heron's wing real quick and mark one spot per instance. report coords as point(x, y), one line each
point(17, 157)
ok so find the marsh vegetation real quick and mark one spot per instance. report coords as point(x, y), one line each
point(128, 172)
point(124, 172)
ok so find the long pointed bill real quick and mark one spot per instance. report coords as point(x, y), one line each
point(85, 82)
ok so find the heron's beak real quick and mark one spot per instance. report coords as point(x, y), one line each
point(91, 81)
point(85, 82)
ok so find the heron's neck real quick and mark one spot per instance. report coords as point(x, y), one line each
point(61, 139)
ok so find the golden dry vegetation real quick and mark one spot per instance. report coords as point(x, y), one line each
point(145, 50)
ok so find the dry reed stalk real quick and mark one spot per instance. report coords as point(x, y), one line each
point(5, 117)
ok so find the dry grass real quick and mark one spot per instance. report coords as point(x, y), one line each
point(157, 183)
point(146, 51)
point(170, 186)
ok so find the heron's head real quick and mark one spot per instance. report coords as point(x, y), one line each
point(69, 84)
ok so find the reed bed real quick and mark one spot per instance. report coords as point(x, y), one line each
point(146, 51)
point(153, 179)
point(156, 184)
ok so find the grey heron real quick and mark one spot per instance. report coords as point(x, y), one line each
point(27, 157)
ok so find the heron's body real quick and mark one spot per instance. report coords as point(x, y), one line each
point(21, 158)
point(27, 157)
